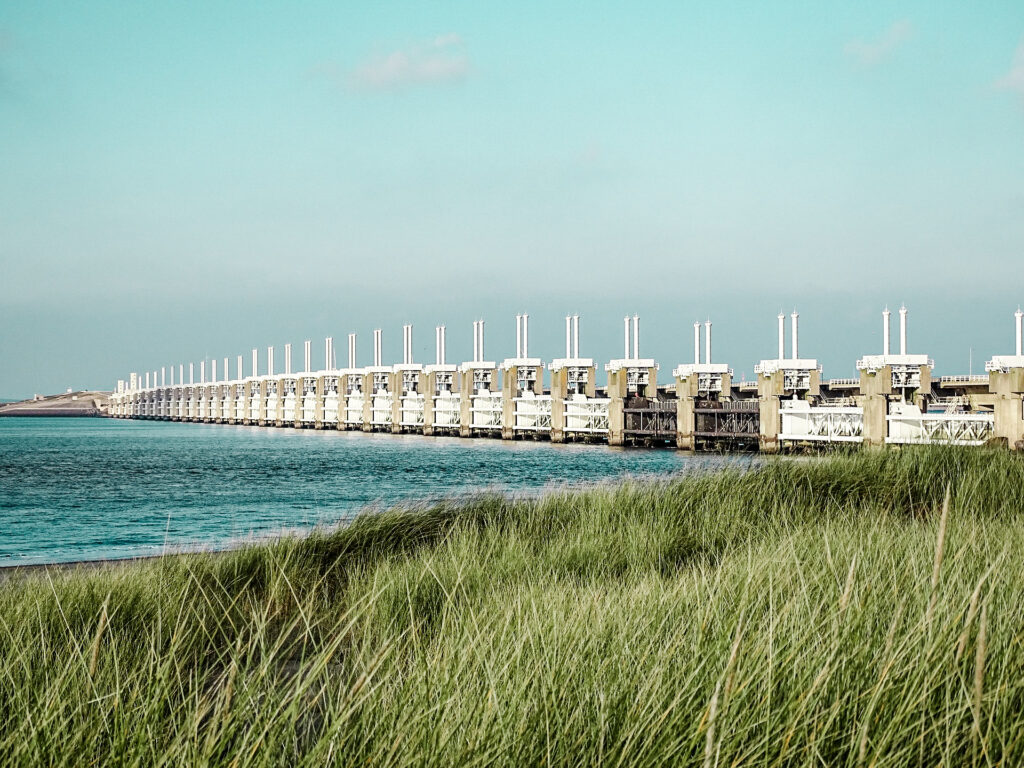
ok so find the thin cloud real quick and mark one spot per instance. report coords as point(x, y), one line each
point(1014, 79)
point(441, 60)
point(869, 52)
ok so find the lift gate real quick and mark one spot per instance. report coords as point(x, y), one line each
point(648, 419)
point(737, 422)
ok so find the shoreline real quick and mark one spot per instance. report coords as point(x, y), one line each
point(10, 571)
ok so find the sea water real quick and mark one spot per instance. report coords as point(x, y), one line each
point(90, 488)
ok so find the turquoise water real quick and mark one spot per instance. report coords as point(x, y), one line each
point(82, 489)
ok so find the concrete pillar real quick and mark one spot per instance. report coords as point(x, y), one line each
point(465, 378)
point(343, 379)
point(771, 418)
point(321, 394)
point(367, 424)
point(876, 389)
point(1008, 388)
point(559, 392)
point(279, 416)
point(616, 417)
point(686, 422)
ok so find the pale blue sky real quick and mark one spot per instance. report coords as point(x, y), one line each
point(189, 179)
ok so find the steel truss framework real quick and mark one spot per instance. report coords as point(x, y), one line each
point(533, 413)
point(735, 421)
point(824, 424)
point(486, 411)
point(587, 416)
point(412, 410)
point(643, 417)
point(949, 428)
point(447, 411)
point(380, 409)
point(354, 408)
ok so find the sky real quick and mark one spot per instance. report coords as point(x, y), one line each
point(181, 181)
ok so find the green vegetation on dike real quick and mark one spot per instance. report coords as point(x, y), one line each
point(819, 612)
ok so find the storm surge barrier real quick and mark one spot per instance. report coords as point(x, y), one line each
point(895, 398)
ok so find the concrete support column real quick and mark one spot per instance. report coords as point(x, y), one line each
point(559, 393)
point(279, 416)
point(876, 389)
point(465, 402)
point(769, 389)
point(429, 390)
point(318, 410)
point(770, 424)
point(263, 417)
point(686, 419)
point(616, 415)
point(876, 428)
point(342, 401)
point(1008, 389)
point(367, 424)
point(509, 392)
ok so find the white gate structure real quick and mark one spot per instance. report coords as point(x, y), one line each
point(411, 410)
point(909, 425)
point(307, 414)
point(802, 421)
point(354, 408)
point(225, 402)
point(486, 410)
point(586, 415)
point(447, 410)
point(533, 412)
point(288, 404)
point(380, 409)
point(240, 403)
point(270, 402)
point(254, 401)
point(331, 400)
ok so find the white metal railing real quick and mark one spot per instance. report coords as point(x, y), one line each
point(380, 409)
point(354, 408)
point(448, 410)
point(586, 415)
point(973, 378)
point(836, 424)
point(486, 410)
point(843, 383)
point(331, 402)
point(950, 428)
point(308, 412)
point(533, 413)
point(412, 407)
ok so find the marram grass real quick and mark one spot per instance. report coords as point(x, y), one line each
point(807, 612)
